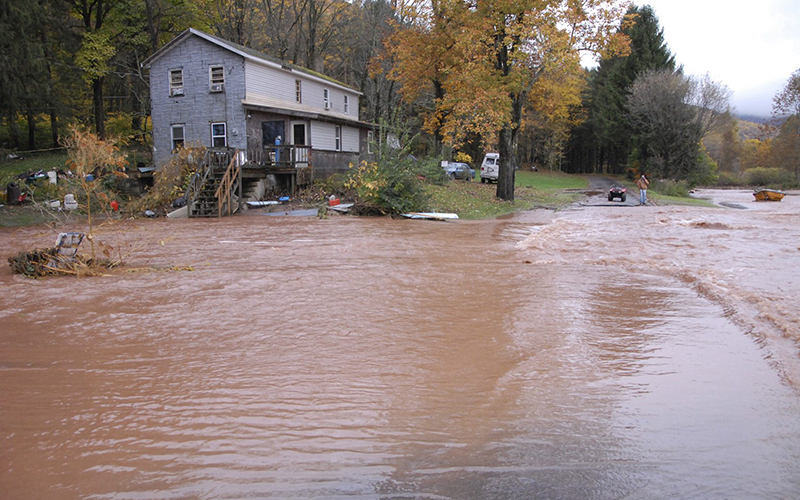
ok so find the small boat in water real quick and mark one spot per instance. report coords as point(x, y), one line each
point(769, 195)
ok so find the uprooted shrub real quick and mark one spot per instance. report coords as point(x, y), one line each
point(393, 185)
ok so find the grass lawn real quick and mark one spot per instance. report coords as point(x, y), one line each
point(473, 200)
point(10, 169)
point(26, 215)
point(550, 181)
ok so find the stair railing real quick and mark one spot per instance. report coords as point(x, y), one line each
point(230, 180)
point(199, 180)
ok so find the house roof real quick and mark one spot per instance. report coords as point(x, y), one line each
point(247, 53)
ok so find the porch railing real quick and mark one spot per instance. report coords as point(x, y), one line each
point(281, 157)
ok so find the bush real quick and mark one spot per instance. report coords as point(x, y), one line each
point(666, 187)
point(392, 185)
point(732, 179)
point(762, 176)
point(705, 170)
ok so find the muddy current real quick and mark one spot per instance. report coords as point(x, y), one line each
point(600, 352)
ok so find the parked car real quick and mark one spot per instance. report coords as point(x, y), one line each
point(456, 170)
point(617, 191)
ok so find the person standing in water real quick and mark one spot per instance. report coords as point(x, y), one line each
point(642, 184)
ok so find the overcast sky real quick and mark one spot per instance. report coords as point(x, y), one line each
point(750, 46)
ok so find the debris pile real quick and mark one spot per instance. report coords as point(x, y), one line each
point(36, 263)
point(62, 259)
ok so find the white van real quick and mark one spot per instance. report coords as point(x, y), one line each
point(490, 168)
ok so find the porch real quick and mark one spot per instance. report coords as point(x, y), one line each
point(291, 166)
point(227, 178)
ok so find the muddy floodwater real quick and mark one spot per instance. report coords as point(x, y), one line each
point(599, 352)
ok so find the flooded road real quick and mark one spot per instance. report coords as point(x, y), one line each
point(595, 353)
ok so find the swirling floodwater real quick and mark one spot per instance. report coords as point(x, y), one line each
point(601, 352)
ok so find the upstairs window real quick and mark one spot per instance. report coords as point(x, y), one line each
point(175, 82)
point(219, 135)
point(326, 99)
point(298, 91)
point(346, 105)
point(216, 75)
point(178, 136)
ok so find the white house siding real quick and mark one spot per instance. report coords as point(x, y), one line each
point(350, 139)
point(197, 108)
point(274, 83)
point(269, 82)
point(323, 136)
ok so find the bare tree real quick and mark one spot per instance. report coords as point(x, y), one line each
point(786, 112)
point(787, 102)
point(711, 101)
point(670, 114)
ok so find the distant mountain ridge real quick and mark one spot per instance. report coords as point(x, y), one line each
point(752, 118)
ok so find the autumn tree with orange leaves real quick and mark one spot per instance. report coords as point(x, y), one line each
point(482, 61)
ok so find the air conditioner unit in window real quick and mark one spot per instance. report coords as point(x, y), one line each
point(328, 105)
point(217, 87)
point(176, 91)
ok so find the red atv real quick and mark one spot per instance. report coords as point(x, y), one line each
point(617, 191)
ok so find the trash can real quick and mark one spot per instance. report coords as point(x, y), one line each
point(12, 193)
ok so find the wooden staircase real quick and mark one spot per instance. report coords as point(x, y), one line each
point(215, 188)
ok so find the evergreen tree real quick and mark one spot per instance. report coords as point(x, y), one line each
point(607, 133)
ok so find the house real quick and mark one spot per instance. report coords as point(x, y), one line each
point(220, 94)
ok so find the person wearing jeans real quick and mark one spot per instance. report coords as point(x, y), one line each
point(642, 184)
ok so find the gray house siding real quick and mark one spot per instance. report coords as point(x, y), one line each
point(198, 108)
point(327, 163)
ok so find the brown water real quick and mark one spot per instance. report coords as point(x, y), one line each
point(597, 353)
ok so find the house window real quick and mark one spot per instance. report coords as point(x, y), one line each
point(346, 105)
point(176, 82)
point(338, 138)
point(326, 98)
point(178, 136)
point(370, 140)
point(298, 91)
point(216, 78)
point(219, 136)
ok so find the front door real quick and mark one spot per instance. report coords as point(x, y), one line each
point(299, 139)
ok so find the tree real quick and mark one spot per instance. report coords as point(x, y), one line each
point(605, 139)
point(502, 49)
point(786, 110)
point(423, 52)
point(96, 51)
point(25, 77)
point(670, 114)
point(785, 151)
point(730, 146)
point(787, 101)
point(91, 155)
